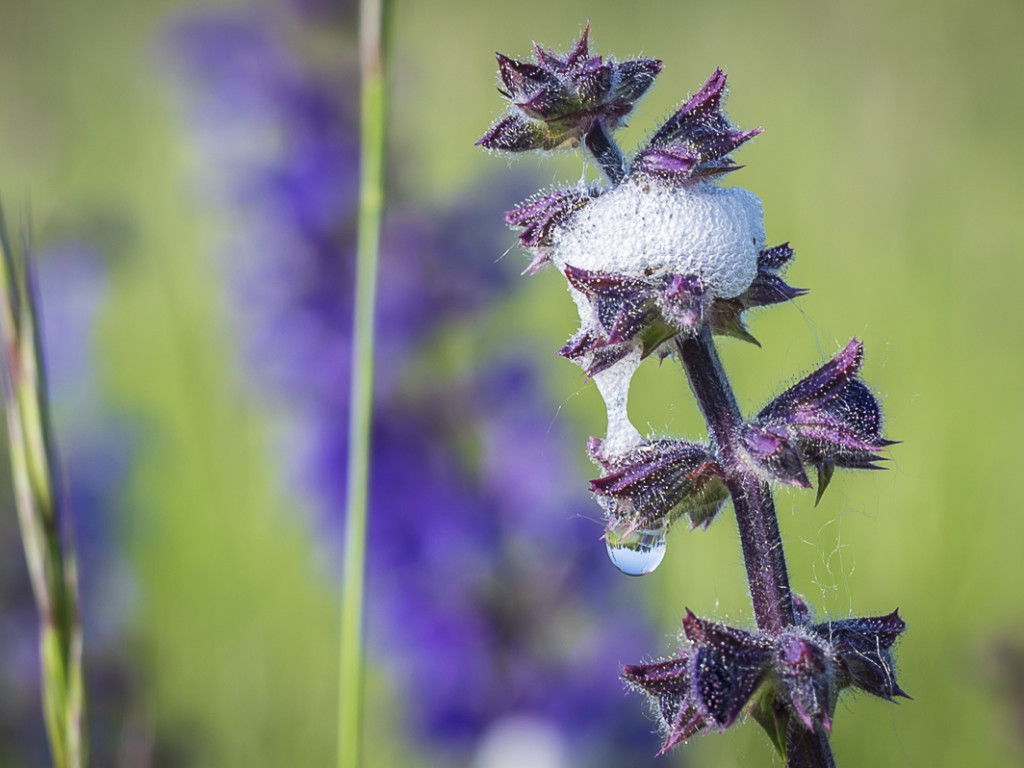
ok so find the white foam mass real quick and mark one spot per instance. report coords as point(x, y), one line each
point(713, 232)
point(613, 384)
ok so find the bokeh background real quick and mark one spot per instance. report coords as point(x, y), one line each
point(188, 171)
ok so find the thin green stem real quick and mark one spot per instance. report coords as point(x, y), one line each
point(46, 531)
point(371, 204)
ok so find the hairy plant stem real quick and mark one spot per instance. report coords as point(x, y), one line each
point(371, 204)
point(751, 496)
point(606, 153)
point(755, 515)
point(808, 750)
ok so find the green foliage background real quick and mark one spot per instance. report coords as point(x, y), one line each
point(890, 160)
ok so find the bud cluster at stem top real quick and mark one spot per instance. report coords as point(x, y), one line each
point(659, 249)
point(557, 101)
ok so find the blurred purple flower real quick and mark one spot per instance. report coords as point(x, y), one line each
point(487, 597)
point(492, 568)
point(95, 444)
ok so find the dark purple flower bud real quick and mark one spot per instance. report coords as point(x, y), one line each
point(701, 113)
point(820, 387)
point(658, 482)
point(768, 286)
point(540, 216)
point(805, 679)
point(683, 301)
point(861, 649)
point(515, 133)
point(622, 304)
point(520, 77)
point(651, 310)
point(673, 161)
point(710, 682)
point(633, 311)
point(830, 419)
point(588, 349)
point(770, 449)
point(725, 315)
point(792, 677)
point(729, 666)
point(648, 311)
point(624, 313)
point(669, 686)
point(695, 142)
point(632, 80)
point(558, 101)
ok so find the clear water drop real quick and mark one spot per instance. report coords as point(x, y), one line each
point(635, 551)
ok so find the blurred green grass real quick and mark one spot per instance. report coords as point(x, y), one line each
point(891, 163)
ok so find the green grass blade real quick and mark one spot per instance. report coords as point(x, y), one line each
point(371, 204)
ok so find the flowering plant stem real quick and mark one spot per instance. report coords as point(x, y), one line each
point(755, 515)
point(45, 529)
point(371, 204)
point(752, 498)
point(657, 260)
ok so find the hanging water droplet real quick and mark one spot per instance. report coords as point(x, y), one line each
point(635, 551)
